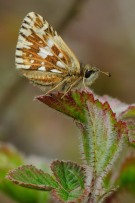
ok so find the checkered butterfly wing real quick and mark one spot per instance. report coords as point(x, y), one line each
point(41, 55)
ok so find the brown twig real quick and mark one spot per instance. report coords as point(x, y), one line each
point(74, 10)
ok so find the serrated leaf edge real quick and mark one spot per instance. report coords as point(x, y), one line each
point(85, 193)
point(28, 185)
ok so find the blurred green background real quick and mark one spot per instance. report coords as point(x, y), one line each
point(101, 33)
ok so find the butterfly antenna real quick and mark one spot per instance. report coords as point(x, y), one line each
point(106, 73)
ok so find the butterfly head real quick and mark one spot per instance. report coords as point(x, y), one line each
point(90, 74)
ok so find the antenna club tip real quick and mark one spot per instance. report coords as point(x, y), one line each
point(109, 74)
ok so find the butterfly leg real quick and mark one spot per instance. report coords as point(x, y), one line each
point(70, 87)
point(55, 87)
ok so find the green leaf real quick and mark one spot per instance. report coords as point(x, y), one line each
point(116, 105)
point(126, 174)
point(70, 185)
point(10, 158)
point(31, 177)
point(104, 135)
point(71, 178)
point(124, 112)
point(73, 104)
point(129, 117)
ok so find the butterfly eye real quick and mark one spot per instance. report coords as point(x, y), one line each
point(88, 73)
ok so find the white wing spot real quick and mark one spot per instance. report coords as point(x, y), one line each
point(50, 42)
point(25, 32)
point(55, 71)
point(42, 68)
point(26, 25)
point(21, 38)
point(18, 52)
point(20, 45)
point(28, 20)
point(32, 61)
point(44, 52)
point(60, 64)
point(45, 26)
point(19, 66)
point(24, 44)
point(60, 55)
point(32, 15)
point(19, 60)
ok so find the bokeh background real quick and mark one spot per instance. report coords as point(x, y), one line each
point(100, 32)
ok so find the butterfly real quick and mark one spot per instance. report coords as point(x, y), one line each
point(45, 59)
